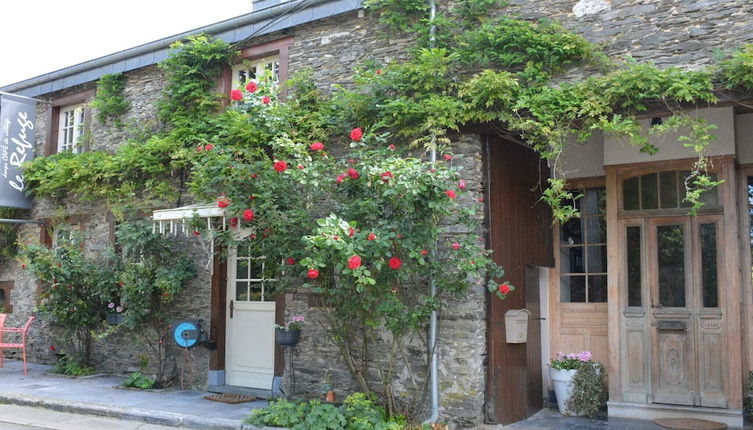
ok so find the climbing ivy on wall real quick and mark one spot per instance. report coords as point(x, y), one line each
point(499, 70)
point(110, 101)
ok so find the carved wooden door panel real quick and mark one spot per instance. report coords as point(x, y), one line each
point(686, 323)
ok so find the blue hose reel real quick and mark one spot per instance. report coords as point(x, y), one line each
point(188, 333)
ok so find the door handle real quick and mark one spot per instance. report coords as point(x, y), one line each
point(232, 307)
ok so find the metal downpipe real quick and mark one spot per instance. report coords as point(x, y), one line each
point(434, 365)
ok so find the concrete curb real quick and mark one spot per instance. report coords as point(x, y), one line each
point(149, 416)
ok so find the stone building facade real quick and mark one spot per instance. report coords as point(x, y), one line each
point(330, 38)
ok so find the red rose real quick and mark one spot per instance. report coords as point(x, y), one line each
point(481, 199)
point(252, 236)
point(461, 184)
point(504, 289)
point(356, 134)
point(196, 233)
point(340, 179)
point(121, 283)
point(265, 100)
point(291, 261)
point(52, 348)
point(336, 237)
point(448, 157)
point(424, 252)
point(209, 147)
point(236, 95)
point(351, 231)
point(432, 170)
point(455, 246)
point(354, 262)
point(391, 147)
point(317, 146)
point(450, 193)
point(281, 166)
point(300, 167)
point(372, 236)
point(378, 71)
point(312, 274)
point(251, 87)
point(253, 175)
point(395, 263)
point(199, 148)
point(386, 176)
point(233, 222)
point(353, 173)
point(248, 215)
point(223, 202)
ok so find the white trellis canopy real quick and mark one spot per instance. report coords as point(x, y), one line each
point(175, 221)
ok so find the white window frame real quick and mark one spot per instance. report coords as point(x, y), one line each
point(71, 121)
point(250, 70)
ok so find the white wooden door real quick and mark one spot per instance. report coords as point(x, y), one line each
point(250, 339)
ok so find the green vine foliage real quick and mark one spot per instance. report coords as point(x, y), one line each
point(110, 101)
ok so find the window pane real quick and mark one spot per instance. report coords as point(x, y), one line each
point(241, 291)
point(571, 232)
point(242, 269)
point(594, 201)
point(256, 269)
point(2, 298)
point(597, 289)
point(708, 265)
point(597, 259)
point(596, 229)
point(711, 197)
point(255, 292)
point(668, 189)
point(634, 266)
point(630, 194)
point(649, 192)
point(671, 258)
point(571, 259)
point(573, 289)
point(243, 251)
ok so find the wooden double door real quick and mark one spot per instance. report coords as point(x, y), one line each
point(685, 321)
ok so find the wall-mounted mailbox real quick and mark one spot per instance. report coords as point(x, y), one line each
point(516, 325)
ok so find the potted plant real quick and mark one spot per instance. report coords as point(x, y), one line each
point(289, 334)
point(115, 315)
point(578, 383)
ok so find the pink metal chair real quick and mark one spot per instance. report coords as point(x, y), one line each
point(23, 331)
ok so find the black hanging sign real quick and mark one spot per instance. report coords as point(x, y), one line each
point(17, 115)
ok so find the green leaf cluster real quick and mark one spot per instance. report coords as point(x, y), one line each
point(589, 387)
point(110, 101)
point(139, 380)
point(358, 412)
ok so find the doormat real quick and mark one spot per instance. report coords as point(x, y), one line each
point(689, 424)
point(230, 398)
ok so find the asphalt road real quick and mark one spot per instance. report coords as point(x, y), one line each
point(29, 418)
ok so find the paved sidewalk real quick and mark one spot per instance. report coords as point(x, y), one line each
point(98, 396)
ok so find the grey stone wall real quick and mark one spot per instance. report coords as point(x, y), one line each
point(681, 33)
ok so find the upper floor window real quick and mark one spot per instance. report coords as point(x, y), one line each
point(662, 191)
point(253, 70)
point(583, 251)
point(71, 123)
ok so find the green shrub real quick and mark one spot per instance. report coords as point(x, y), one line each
point(358, 412)
point(72, 367)
point(139, 380)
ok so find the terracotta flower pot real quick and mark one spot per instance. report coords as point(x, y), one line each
point(287, 338)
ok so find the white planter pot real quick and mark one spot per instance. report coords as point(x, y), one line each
point(563, 387)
